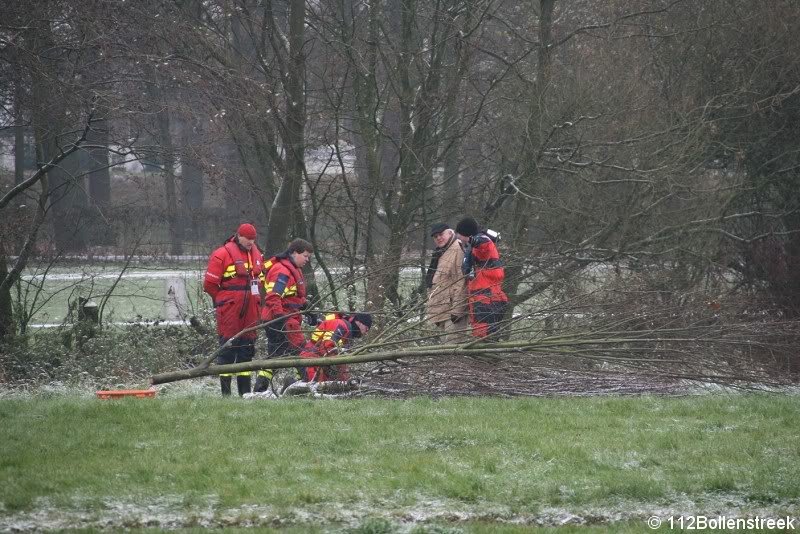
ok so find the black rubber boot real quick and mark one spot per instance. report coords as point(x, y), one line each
point(225, 385)
point(243, 383)
point(262, 384)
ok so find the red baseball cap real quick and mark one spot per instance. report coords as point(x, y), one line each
point(247, 230)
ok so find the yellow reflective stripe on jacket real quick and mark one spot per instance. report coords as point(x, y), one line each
point(266, 373)
point(288, 292)
point(230, 270)
point(325, 336)
point(242, 373)
point(317, 334)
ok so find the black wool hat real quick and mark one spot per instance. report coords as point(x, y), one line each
point(467, 227)
point(438, 228)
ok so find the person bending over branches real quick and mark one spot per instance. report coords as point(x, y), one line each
point(329, 338)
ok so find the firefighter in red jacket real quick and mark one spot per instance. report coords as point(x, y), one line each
point(484, 271)
point(285, 296)
point(233, 279)
point(330, 336)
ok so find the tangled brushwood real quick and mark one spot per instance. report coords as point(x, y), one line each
point(607, 341)
point(111, 357)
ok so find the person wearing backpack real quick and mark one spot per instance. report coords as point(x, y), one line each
point(484, 271)
point(233, 280)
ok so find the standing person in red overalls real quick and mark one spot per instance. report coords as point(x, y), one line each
point(484, 271)
point(233, 279)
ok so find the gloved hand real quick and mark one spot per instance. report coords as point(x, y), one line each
point(466, 264)
point(311, 318)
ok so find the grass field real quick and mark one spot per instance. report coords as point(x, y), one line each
point(141, 293)
point(131, 299)
point(371, 465)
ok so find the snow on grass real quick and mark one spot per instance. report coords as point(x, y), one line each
point(174, 511)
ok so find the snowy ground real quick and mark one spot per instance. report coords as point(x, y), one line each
point(171, 512)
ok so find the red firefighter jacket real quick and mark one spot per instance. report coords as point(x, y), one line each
point(328, 338)
point(285, 286)
point(229, 280)
point(484, 261)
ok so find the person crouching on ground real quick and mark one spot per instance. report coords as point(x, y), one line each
point(448, 306)
point(285, 297)
point(484, 271)
point(233, 279)
point(329, 338)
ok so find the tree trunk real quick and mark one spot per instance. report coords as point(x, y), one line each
point(282, 215)
point(530, 150)
point(68, 203)
point(99, 172)
point(284, 363)
point(165, 156)
point(453, 192)
point(191, 185)
point(66, 194)
point(384, 274)
point(365, 135)
point(253, 134)
point(6, 309)
point(168, 172)
point(19, 134)
point(99, 177)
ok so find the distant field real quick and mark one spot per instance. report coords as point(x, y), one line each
point(451, 465)
point(142, 292)
point(140, 296)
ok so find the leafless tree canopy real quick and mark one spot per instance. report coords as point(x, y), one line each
point(637, 156)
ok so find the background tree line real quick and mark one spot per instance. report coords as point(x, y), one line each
point(653, 139)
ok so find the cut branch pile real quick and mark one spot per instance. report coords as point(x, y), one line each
point(657, 343)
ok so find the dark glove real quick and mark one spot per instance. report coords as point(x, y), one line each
point(466, 265)
point(456, 318)
point(311, 318)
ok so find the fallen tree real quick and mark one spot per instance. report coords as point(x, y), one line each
point(689, 339)
point(623, 348)
point(430, 350)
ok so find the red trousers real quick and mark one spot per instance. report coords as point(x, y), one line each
point(323, 374)
point(235, 311)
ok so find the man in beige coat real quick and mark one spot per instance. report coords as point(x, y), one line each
point(448, 303)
